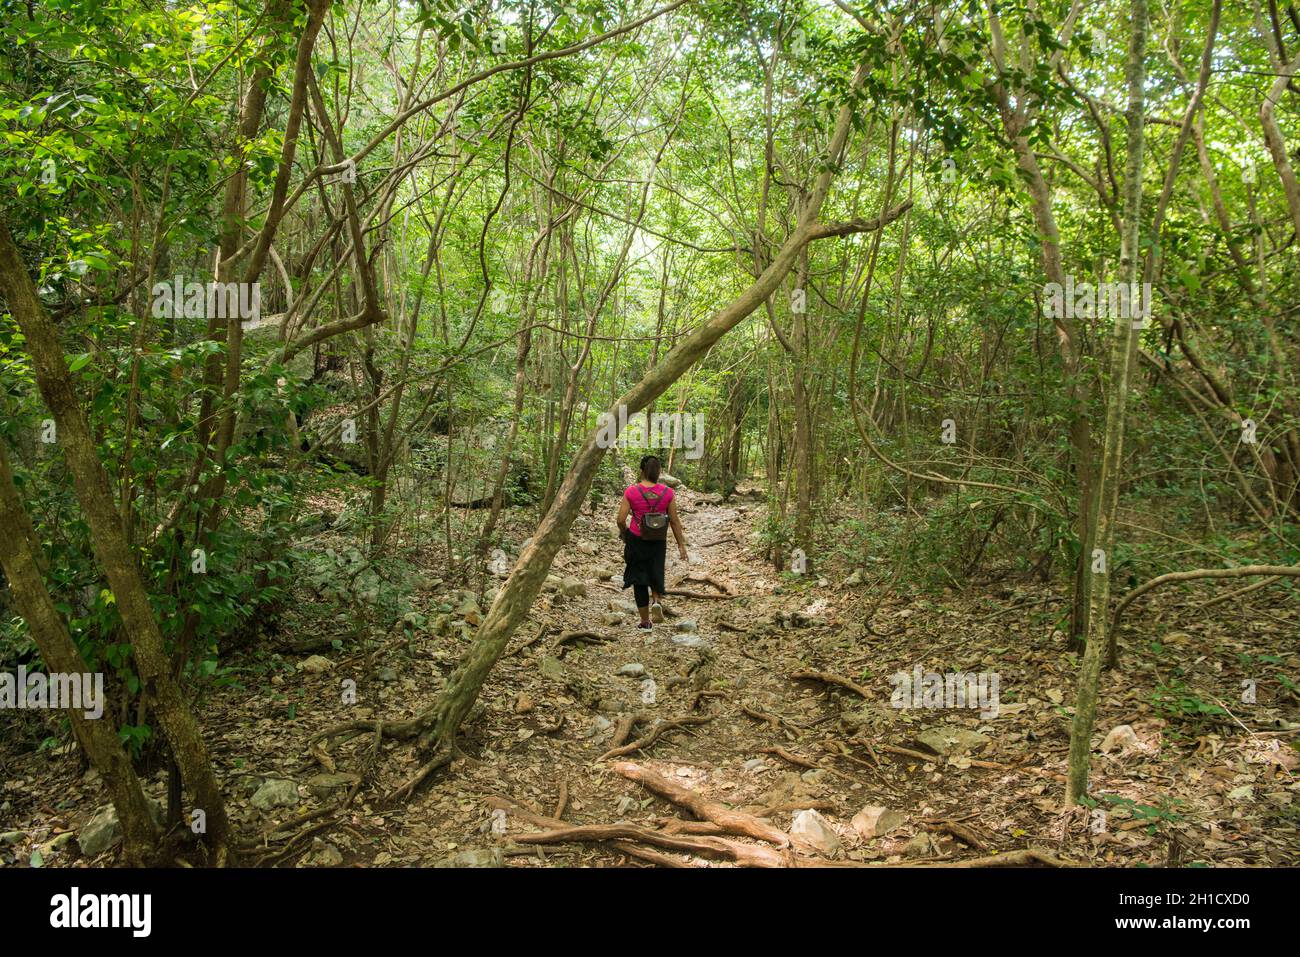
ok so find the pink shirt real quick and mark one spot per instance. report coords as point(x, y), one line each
point(640, 505)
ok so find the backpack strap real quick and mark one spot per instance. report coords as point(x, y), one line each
point(657, 495)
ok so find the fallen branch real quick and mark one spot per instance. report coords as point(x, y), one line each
point(685, 593)
point(1291, 571)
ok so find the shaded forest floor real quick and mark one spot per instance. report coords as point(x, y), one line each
point(1184, 788)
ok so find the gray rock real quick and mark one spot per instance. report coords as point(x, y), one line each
point(810, 828)
point(1121, 737)
point(922, 845)
point(690, 641)
point(686, 624)
point(275, 793)
point(485, 857)
point(12, 837)
point(755, 765)
point(326, 786)
point(315, 665)
point(468, 609)
point(386, 675)
point(103, 829)
point(572, 588)
point(611, 618)
point(323, 854)
point(856, 578)
point(872, 822)
point(632, 670)
point(950, 739)
point(552, 668)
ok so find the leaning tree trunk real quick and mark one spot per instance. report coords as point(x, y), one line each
point(19, 556)
point(1123, 345)
point(517, 594)
point(96, 499)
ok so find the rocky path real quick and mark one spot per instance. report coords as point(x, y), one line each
point(764, 694)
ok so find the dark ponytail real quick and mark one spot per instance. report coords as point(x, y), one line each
point(650, 467)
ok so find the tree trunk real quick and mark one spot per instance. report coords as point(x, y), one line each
point(1123, 346)
point(119, 564)
point(517, 594)
point(20, 557)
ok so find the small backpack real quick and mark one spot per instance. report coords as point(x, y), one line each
point(654, 525)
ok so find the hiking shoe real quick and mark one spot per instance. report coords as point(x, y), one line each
point(644, 626)
point(656, 612)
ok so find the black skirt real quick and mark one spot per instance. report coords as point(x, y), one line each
point(644, 562)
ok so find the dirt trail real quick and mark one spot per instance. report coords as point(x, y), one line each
point(758, 739)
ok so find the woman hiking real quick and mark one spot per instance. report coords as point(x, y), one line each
point(653, 509)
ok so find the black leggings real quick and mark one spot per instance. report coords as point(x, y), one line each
point(644, 571)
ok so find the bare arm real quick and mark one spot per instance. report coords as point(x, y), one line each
point(676, 524)
point(621, 521)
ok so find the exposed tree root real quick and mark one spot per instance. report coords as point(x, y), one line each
point(734, 822)
point(541, 633)
point(649, 856)
point(655, 733)
point(717, 848)
point(590, 637)
point(796, 760)
point(909, 753)
point(1010, 859)
point(789, 806)
point(442, 757)
point(830, 679)
point(702, 579)
point(959, 831)
point(701, 695)
point(562, 801)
